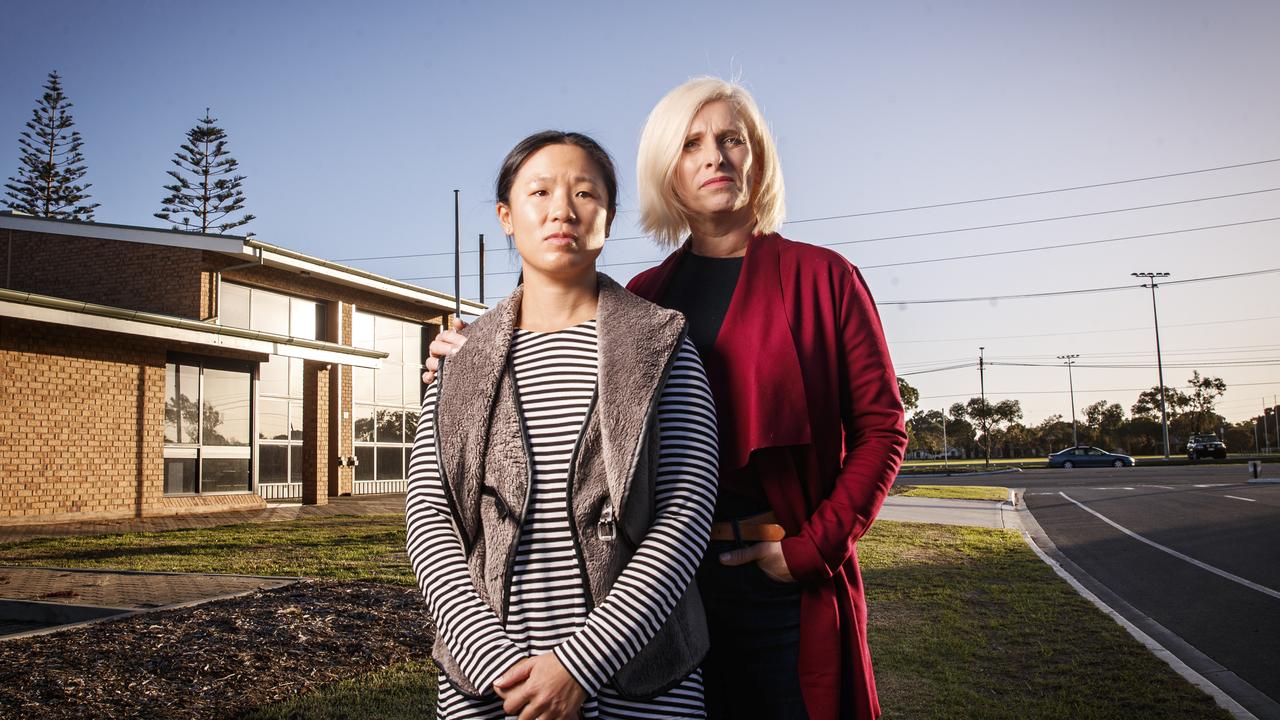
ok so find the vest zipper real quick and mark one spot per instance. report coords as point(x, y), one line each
point(569, 478)
point(528, 493)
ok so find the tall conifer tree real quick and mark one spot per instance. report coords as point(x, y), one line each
point(51, 165)
point(205, 190)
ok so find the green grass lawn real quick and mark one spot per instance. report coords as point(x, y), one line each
point(965, 622)
point(951, 492)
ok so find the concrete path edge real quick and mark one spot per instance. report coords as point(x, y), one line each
point(1231, 692)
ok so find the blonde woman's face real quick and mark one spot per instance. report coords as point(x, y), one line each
point(559, 211)
point(714, 173)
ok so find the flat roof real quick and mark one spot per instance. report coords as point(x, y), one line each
point(246, 249)
point(74, 313)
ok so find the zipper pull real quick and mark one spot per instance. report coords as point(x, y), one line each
point(606, 529)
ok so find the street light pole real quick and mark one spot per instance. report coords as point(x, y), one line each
point(1070, 360)
point(1164, 417)
point(982, 388)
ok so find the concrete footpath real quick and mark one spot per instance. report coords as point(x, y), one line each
point(979, 513)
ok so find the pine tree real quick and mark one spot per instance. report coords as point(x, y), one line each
point(205, 191)
point(51, 166)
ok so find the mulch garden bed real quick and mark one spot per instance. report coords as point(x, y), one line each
point(216, 660)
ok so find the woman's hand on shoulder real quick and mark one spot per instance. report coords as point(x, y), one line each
point(540, 687)
point(768, 555)
point(445, 344)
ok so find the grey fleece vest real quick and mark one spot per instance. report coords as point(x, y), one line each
point(486, 471)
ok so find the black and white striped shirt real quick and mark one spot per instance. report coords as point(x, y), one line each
point(555, 376)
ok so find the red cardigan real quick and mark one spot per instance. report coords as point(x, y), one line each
point(806, 393)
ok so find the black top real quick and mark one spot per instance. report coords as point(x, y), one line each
point(701, 288)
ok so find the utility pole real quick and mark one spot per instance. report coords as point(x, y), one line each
point(1070, 360)
point(946, 453)
point(986, 412)
point(481, 268)
point(1164, 417)
point(1266, 436)
point(457, 261)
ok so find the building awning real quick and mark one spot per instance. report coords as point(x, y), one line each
point(74, 313)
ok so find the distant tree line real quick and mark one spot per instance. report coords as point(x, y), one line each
point(974, 426)
point(205, 192)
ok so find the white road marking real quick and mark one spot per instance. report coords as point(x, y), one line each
point(1233, 497)
point(1162, 487)
point(1209, 485)
point(1202, 565)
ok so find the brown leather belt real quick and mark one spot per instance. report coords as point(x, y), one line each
point(756, 528)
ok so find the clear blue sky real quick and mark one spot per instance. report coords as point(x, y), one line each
point(354, 124)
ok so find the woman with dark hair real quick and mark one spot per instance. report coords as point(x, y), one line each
point(563, 475)
point(811, 430)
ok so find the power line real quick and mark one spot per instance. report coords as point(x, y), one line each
point(932, 206)
point(1033, 193)
point(1063, 392)
point(1080, 332)
point(1060, 246)
point(1042, 220)
point(1055, 293)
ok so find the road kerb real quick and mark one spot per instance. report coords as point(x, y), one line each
point(1035, 537)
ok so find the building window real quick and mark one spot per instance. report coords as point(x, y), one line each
point(386, 402)
point(208, 415)
point(280, 421)
point(253, 308)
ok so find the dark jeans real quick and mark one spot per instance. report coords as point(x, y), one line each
point(754, 620)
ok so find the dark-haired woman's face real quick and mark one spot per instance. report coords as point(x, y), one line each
point(558, 213)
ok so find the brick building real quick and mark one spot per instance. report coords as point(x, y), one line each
point(150, 372)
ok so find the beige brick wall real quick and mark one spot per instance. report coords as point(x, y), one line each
point(82, 427)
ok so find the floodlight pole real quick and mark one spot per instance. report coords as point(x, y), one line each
point(1164, 416)
point(1070, 360)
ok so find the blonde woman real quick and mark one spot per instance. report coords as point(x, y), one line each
point(810, 423)
point(563, 475)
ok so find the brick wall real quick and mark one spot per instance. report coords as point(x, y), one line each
point(82, 427)
point(154, 278)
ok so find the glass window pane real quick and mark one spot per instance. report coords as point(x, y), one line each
point(273, 463)
point(322, 321)
point(179, 475)
point(364, 462)
point(273, 376)
point(390, 338)
point(410, 425)
point(295, 377)
point(302, 318)
point(171, 403)
point(295, 463)
point(412, 385)
point(224, 474)
point(233, 305)
point(362, 330)
point(389, 387)
point(295, 421)
point(225, 410)
point(413, 350)
point(181, 414)
point(269, 312)
point(390, 426)
point(362, 384)
point(390, 463)
point(364, 422)
point(273, 419)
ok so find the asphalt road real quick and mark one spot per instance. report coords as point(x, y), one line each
point(1193, 548)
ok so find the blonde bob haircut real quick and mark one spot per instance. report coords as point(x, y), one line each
point(661, 212)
